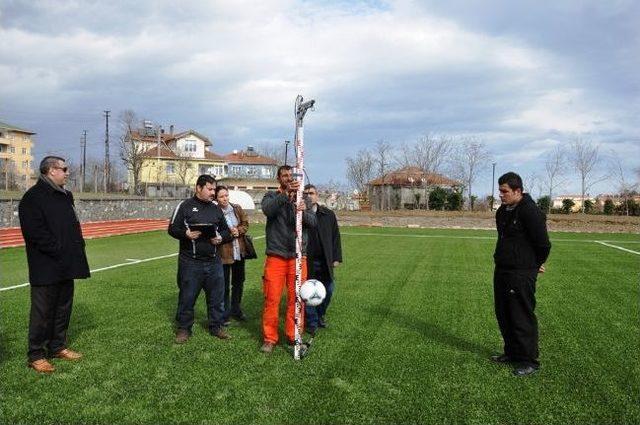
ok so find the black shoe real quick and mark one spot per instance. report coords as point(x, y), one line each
point(500, 358)
point(321, 322)
point(239, 317)
point(525, 370)
point(311, 332)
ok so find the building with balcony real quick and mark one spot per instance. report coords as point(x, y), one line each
point(16, 157)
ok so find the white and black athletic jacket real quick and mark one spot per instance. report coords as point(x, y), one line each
point(196, 211)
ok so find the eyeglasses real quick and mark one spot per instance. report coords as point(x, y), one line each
point(64, 169)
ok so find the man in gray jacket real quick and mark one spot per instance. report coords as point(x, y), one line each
point(280, 266)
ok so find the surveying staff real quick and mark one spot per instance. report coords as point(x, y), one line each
point(522, 248)
point(232, 255)
point(56, 256)
point(199, 265)
point(324, 253)
point(280, 265)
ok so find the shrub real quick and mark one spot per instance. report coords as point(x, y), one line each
point(608, 208)
point(454, 201)
point(437, 198)
point(544, 203)
point(567, 204)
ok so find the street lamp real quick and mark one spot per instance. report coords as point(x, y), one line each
point(493, 183)
point(286, 151)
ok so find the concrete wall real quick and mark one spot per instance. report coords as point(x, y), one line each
point(110, 209)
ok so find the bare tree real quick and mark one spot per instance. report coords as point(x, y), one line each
point(625, 187)
point(529, 182)
point(584, 157)
point(469, 158)
point(95, 169)
point(553, 168)
point(428, 153)
point(9, 173)
point(276, 150)
point(131, 149)
point(183, 169)
point(360, 170)
point(382, 157)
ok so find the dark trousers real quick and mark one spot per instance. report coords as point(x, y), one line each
point(314, 314)
point(194, 276)
point(49, 319)
point(515, 302)
point(234, 280)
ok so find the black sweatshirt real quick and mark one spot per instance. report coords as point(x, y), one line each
point(196, 211)
point(523, 242)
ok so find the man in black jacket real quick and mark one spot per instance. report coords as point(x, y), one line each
point(324, 253)
point(280, 207)
point(56, 256)
point(199, 265)
point(522, 248)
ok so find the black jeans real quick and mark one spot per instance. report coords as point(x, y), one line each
point(314, 314)
point(234, 278)
point(49, 319)
point(196, 275)
point(515, 302)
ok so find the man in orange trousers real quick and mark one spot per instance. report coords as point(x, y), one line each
point(280, 208)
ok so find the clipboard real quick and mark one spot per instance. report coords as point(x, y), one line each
point(208, 230)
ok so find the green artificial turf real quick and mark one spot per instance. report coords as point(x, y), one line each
point(410, 329)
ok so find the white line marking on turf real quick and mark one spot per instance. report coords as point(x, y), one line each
point(618, 247)
point(131, 261)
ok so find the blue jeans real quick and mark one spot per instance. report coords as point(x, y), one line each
point(195, 275)
point(313, 314)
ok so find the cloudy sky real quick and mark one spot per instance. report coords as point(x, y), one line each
point(522, 76)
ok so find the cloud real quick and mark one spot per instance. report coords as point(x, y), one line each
point(514, 75)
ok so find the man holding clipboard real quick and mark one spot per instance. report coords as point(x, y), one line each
point(199, 225)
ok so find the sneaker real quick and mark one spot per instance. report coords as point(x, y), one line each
point(182, 336)
point(226, 322)
point(267, 347)
point(221, 333)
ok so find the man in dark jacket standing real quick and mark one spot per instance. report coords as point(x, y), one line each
point(56, 256)
point(324, 253)
point(199, 264)
point(522, 248)
point(280, 265)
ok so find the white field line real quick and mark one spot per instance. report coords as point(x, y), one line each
point(115, 266)
point(618, 247)
point(493, 238)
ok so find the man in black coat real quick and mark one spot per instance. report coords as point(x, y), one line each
point(522, 248)
point(56, 256)
point(324, 253)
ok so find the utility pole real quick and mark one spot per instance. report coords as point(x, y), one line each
point(107, 164)
point(83, 167)
point(158, 169)
point(493, 183)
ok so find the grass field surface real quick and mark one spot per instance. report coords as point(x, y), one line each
point(410, 331)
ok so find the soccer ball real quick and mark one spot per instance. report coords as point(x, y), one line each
point(313, 292)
